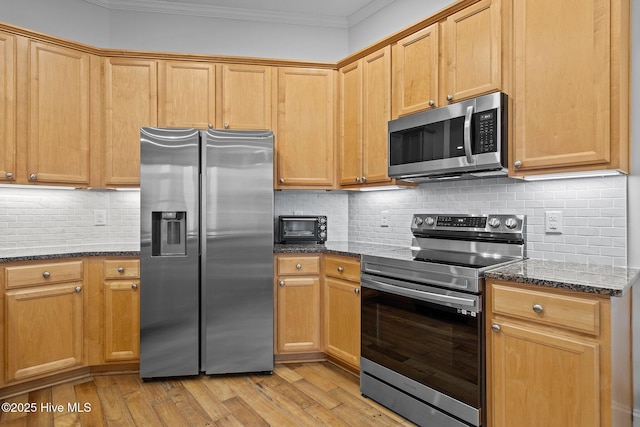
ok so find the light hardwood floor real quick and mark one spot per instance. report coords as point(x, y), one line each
point(309, 394)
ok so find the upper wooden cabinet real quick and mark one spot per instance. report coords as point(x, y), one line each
point(7, 107)
point(365, 110)
point(570, 93)
point(245, 97)
point(130, 102)
point(58, 115)
point(446, 62)
point(186, 94)
point(304, 143)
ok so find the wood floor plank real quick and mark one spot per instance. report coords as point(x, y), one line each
point(40, 417)
point(127, 383)
point(374, 413)
point(169, 414)
point(13, 416)
point(316, 393)
point(63, 394)
point(154, 391)
point(220, 387)
point(187, 404)
point(87, 392)
point(244, 413)
point(69, 419)
point(316, 378)
point(288, 374)
point(114, 406)
point(141, 411)
point(206, 398)
point(229, 421)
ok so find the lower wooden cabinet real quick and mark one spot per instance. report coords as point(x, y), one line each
point(341, 309)
point(44, 309)
point(557, 358)
point(297, 299)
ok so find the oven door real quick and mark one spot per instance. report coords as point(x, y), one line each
point(425, 341)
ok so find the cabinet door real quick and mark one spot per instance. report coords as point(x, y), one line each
point(298, 314)
point(562, 84)
point(376, 116)
point(351, 123)
point(58, 115)
point(131, 102)
point(246, 97)
point(472, 59)
point(44, 330)
point(305, 130)
point(342, 320)
point(543, 379)
point(415, 72)
point(121, 320)
point(7, 107)
point(186, 94)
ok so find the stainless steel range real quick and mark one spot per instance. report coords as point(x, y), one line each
point(422, 351)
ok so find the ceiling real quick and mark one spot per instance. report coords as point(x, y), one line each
point(326, 13)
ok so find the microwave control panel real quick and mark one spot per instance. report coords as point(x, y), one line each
point(487, 131)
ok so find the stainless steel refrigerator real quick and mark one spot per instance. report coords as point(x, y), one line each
point(206, 251)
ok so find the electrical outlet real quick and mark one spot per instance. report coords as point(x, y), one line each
point(384, 219)
point(99, 217)
point(553, 222)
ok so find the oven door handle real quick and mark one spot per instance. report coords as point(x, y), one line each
point(448, 300)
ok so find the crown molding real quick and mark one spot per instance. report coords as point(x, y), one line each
point(159, 6)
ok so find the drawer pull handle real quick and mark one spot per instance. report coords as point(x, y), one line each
point(340, 269)
point(495, 327)
point(298, 266)
point(120, 269)
point(134, 286)
point(78, 288)
point(46, 274)
point(538, 308)
point(281, 283)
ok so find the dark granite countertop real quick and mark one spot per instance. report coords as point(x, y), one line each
point(588, 278)
point(67, 255)
point(342, 248)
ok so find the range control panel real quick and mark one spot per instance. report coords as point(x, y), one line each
point(496, 223)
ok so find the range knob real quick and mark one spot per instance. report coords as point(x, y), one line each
point(430, 221)
point(417, 221)
point(323, 227)
point(511, 223)
point(494, 223)
point(323, 234)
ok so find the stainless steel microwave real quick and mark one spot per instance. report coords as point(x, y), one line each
point(467, 139)
point(302, 229)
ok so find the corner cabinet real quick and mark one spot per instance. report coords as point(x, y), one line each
point(365, 110)
point(571, 83)
point(297, 299)
point(341, 309)
point(7, 107)
point(44, 311)
point(557, 357)
point(305, 131)
point(130, 90)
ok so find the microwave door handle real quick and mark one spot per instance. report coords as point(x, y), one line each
point(467, 133)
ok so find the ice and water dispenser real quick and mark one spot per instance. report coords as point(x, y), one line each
point(168, 235)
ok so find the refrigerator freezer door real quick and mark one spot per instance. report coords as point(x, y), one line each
point(237, 252)
point(169, 252)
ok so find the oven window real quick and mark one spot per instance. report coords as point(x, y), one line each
point(431, 344)
point(299, 228)
point(435, 141)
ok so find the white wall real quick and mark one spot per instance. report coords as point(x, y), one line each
point(396, 16)
point(70, 19)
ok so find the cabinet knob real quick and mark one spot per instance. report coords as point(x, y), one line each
point(78, 288)
point(538, 308)
point(33, 177)
point(281, 283)
point(46, 274)
point(356, 291)
point(226, 125)
point(120, 269)
point(495, 327)
point(134, 286)
point(340, 269)
point(364, 179)
point(9, 175)
point(517, 163)
point(281, 180)
point(298, 266)
point(357, 179)
point(210, 125)
point(431, 103)
point(449, 97)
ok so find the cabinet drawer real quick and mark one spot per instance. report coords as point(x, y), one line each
point(40, 274)
point(342, 268)
point(299, 265)
point(121, 269)
point(578, 314)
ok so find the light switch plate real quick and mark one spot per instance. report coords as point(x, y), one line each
point(384, 219)
point(99, 217)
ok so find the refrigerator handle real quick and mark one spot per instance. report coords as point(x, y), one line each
point(202, 227)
